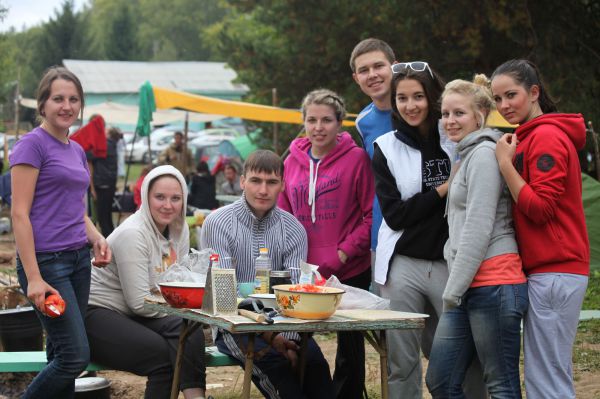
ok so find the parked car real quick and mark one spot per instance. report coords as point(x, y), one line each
point(220, 132)
point(159, 140)
point(162, 144)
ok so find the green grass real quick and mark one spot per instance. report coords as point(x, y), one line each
point(586, 351)
point(135, 170)
point(592, 295)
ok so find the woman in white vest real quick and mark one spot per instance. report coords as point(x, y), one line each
point(412, 166)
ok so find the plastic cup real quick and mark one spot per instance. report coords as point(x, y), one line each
point(245, 289)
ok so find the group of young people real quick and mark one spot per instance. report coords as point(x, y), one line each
point(480, 230)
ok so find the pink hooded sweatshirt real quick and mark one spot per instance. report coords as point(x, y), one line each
point(336, 208)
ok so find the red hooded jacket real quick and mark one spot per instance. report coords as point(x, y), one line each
point(92, 137)
point(549, 219)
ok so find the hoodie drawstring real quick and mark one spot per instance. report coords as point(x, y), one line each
point(312, 183)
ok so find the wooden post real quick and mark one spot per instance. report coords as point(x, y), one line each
point(275, 125)
point(17, 103)
point(596, 150)
point(149, 149)
point(188, 162)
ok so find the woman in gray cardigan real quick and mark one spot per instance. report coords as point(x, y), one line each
point(486, 295)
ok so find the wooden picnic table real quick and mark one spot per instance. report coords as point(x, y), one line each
point(372, 323)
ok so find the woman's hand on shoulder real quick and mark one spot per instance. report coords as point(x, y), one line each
point(506, 148)
point(102, 252)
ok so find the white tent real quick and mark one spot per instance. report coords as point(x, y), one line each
point(114, 113)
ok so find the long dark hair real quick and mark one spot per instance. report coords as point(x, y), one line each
point(526, 74)
point(433, 88)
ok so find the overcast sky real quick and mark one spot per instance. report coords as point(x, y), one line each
point(31, 12)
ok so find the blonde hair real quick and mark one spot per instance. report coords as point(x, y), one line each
point(478, 90)
point(325, 97)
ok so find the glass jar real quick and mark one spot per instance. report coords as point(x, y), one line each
point(279, 277)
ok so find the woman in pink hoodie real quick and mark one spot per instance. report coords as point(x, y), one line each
point(329, 187)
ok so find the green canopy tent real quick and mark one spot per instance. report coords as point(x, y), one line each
point(246, 144)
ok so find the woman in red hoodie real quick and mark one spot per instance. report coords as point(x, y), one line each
point(540, 165)
point(329, 188)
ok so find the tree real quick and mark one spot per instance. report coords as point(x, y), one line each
point(112, 30)
point(61, 38)
point(176, 32)
point(122, 36)
point(299, 45)
point(3, 11)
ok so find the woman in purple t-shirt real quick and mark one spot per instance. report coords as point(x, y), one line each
point(49, 179)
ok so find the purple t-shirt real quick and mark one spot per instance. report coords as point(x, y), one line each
point(58, 208)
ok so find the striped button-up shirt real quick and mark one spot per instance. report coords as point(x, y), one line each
point(236, 234)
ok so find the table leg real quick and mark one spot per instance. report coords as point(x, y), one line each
point(379, 343)
point(248, 366)
point(187, 328)
point(383, 364)
point(302, 357)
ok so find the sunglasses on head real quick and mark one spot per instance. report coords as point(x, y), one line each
point(417, 66)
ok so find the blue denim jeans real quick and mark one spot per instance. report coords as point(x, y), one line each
point(487, 324)
point(66, 341)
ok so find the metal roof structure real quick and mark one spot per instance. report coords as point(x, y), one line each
point(127, 76)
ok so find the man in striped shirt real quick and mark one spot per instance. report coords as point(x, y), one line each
point(236, 232)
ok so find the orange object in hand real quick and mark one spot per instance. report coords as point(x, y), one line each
point(54, 305)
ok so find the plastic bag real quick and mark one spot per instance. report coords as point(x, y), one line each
point(198, 263)
point(193, 267)
point(176, 273)
point(357, 298)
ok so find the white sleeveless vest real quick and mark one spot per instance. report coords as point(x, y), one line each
point(405, 164)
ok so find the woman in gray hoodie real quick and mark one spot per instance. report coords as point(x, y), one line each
point(123, 334)
point(486, 295)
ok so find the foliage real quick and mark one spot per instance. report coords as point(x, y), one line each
point(299, 45)
point(288, 45)
point(592, 294)
point(61, 39)
point(175, 33)
point(112, 30)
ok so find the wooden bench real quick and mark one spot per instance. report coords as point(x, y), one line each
point(21, 362)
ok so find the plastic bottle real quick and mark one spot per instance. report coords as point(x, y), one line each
point(262, 267)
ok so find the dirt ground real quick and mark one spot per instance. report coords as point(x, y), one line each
point(226, 382)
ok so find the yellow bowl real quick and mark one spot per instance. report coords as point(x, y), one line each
point(307, 305)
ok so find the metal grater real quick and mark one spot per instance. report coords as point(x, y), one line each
point(220, 293)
